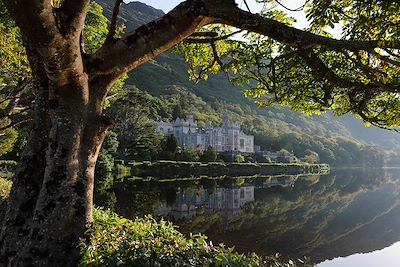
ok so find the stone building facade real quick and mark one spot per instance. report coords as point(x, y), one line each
point(228, 137)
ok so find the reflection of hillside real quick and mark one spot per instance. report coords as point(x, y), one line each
point(380, 233)
point(304, 219)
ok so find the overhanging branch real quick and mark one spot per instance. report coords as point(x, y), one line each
point(236, 17)
point(149, 40)
point(154, 38)
point(113, 22)
point(322, 71)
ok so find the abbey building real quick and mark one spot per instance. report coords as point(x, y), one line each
point(228, 137)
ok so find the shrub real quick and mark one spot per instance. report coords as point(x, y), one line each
point(210, 155)
point(239, 158)
point(115, 241)
point(188, 154)
point(5, 188)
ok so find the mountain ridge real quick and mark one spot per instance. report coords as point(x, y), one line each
point(166, 76)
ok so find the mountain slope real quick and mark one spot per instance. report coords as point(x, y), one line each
point(132, 14)
point(341, 140)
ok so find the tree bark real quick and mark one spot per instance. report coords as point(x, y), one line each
point(64, 205)
point(52, 196)
point(29, 176)
point(54, 193)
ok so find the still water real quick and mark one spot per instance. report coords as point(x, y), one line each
point(346, 218)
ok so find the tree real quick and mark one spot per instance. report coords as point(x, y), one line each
point(14, 82)
point(169, 147)
point(7, 140)
point(283, 152)
point(177, 112)
point(210, 155)
point(311, 156)
point(51, 199)
point(133, 114)
point(239, 158)
point(187, 154)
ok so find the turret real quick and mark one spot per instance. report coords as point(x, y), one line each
point(225, 120)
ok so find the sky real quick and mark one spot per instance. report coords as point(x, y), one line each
point(167, 5)
point(301, 21)
point(388, 257)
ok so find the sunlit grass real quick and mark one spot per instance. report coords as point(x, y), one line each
point(113, 240)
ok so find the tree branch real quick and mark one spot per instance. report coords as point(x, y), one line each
point(209, 37)
point(247, 6)
point(14, 98)
point(322, 71)
point(76, 12)
point(36, 20)
point(386, 58)
point(149, 40)
point(300, 8)
point(113, 22)
point(236, 17)
point(14, 123)
point(154, 38)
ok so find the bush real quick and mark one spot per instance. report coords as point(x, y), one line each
point(239, 158)
point(188, 154)
point(115, 241)
point(7, 163)
point(210, 155)
point(5, 188)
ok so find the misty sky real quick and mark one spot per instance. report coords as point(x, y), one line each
point(167, 5)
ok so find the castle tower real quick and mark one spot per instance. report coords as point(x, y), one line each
point(225, 120)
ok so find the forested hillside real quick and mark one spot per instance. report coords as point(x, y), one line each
point(161, 90)
point(338, 141)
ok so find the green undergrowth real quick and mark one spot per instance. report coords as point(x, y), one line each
point(7, 163)
point(5, 187)
point(116, 241)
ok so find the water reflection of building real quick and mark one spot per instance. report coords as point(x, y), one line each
point(226, 200)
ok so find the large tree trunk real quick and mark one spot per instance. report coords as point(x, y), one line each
point(51, 199)
point(52, 195)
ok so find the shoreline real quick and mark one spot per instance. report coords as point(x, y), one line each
point(177, 169)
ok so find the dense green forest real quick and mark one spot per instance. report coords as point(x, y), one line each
point(161, 90)
point(170, 93)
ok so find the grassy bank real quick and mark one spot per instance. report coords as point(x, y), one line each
point(173, 169)
point(115, 241)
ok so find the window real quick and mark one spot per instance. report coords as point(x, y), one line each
point(241, 143)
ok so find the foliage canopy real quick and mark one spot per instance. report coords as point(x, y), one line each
point(313, 78)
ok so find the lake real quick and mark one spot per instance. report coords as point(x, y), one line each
point(345, 218)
